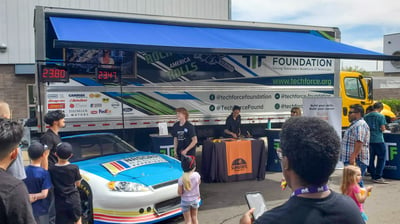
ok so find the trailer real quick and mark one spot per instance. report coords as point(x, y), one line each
point(127, 73)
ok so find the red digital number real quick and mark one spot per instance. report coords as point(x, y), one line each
point(45, 72)
point(51, 73)
point(62, 73)
point(102, 75)
point(106, 75)
point(54, 74)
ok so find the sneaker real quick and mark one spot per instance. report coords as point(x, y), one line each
point(367, 174)
point(380, 181)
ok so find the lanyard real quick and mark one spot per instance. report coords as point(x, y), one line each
point(309, 190)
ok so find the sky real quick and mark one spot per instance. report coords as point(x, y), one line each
point(362, 23)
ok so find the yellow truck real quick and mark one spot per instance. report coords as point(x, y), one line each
point(356, 89)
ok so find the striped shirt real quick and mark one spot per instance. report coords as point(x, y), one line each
point(358, 131)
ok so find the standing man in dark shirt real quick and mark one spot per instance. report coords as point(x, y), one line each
point(51, 138)
point(232, 123)
point(185, 138)
point(15, 207)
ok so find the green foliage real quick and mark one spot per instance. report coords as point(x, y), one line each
point(356, 69)
point(394, 104)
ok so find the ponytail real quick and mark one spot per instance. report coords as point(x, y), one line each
point(186, 181)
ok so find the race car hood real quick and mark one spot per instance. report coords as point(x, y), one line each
point(140, 167)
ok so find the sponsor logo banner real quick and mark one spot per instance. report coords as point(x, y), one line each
point(118, 166)
point(239, 157)
point(54, 106)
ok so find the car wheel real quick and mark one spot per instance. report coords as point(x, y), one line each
point(86, 203)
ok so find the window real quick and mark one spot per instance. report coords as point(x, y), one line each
point(354, 88)
point(31, 101)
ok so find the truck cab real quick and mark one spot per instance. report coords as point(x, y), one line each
point(356, 89)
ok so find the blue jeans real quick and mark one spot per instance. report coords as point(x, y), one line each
point(363, 168)
point(379, 150)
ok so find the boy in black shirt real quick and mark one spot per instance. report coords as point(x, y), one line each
point(184, 134)
point(66, 178)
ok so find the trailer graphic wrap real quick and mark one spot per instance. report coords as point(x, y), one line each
point(207, 85)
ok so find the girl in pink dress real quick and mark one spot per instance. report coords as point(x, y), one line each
point(350, 187)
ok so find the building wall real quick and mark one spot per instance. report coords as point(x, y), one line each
point(16, 18)
point(391, 46)
point(13, 90)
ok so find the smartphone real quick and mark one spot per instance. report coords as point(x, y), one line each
point(256, 200)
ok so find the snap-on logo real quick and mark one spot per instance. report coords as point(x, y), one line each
point(239, 164)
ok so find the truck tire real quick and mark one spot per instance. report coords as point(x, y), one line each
point(86, 203)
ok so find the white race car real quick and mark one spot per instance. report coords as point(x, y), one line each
point(123, 185)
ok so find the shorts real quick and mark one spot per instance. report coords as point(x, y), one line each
point(68, 209)
point(186, 205)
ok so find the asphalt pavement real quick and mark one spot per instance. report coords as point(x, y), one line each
point(224, 203)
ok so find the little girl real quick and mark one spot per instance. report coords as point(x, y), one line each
point(350, 187)
point(188, 189)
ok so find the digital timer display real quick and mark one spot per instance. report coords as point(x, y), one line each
point(53, 73)
point(107, 75)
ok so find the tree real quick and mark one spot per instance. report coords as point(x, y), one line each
point(356, 69)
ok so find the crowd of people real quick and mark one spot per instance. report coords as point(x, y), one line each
point(309, 152)
point(46, 190)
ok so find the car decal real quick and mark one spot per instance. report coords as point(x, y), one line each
point(109, 216)
point(118, 166)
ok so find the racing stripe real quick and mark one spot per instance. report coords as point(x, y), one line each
point(119, 167)
point(122, 163)
point(113, 170)
point(130, 217)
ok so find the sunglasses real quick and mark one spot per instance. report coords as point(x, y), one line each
point(352, 112)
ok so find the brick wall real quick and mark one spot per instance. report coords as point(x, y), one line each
point(13, 90)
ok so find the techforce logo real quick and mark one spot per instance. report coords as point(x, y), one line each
point(254, 61)
point(239, 164)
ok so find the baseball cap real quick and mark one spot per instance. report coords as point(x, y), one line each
point(64, 150)
point(36, 150)
point(188, 163)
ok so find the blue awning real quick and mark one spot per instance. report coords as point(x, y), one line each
point(96, 33)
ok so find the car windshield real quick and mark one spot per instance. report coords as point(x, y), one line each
point(90, 146)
